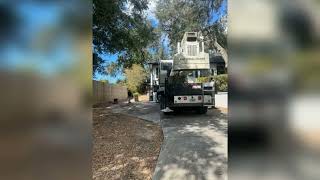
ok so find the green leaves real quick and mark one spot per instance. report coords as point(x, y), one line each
point(179, 16)
point(221, 81)
point(120, 26)
point(97, 65)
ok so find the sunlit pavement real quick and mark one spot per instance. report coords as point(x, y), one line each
point(195, 146)
point(149, 111)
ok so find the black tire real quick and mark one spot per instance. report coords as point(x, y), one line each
point(205, 110)
point(177, 110)
point(158, 98)
point(202, 110)
point(162, 105)
point(166, 113)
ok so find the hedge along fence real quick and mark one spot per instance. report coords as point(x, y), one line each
point(221, 81)
point(105, 92)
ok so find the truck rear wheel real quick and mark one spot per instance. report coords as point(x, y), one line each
point(166, 113)
point(162, 104)
point(202, 110)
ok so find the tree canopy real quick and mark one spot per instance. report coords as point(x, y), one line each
point(120, 27)
point(179, 16)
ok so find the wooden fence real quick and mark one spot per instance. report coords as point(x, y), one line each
point(105, 92)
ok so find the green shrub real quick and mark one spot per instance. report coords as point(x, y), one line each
point(135, 77)
point(203, 79)
point(221, 81)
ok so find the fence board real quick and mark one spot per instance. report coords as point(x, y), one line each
point(105, 92)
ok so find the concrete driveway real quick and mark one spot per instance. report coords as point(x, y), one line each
point(195, 146)
point(149, 111)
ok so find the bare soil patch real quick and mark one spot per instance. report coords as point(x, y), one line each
point(144, 98)
point(124, 147)
point(223, 110)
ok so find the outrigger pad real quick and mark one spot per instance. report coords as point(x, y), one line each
point(167, 110)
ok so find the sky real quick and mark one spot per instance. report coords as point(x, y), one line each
point(24, 52)
point(150, 13)
point(111, 79)
point(220, 12)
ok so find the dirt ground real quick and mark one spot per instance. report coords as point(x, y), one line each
point(144, 98)
point(123, 147)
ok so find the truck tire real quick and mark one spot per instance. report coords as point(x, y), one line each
point(162, 105)
point(166, 113)
point(158, 98)
point(202, 110)
point(205, 110)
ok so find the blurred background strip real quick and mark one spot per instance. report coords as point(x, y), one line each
point(45, 71)
point(274, 89)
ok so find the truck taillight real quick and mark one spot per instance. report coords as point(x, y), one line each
point(185, 98)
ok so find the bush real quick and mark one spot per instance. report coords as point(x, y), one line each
point(203, 79)
point(135, 76)
point(221, 81)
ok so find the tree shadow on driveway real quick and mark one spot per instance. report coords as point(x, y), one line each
point(215, 119)
point(195, 146)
